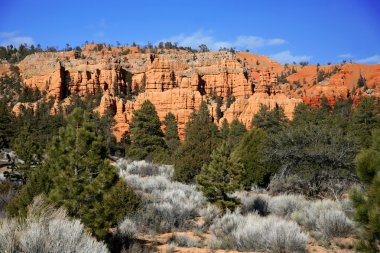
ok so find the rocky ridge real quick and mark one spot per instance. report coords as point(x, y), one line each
point(177, 81)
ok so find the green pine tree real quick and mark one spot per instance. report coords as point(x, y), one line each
point(6, 124)
point(219, 103)
point(342, 114)
point(146, 135)
point(236, 132)
point(365, 118)
point(76, 174)
point(116, 91)
point(201, 138)
point(171, 132)
point(304, 114)
point(367, 203)
point(248, 151)
point(143, 83)
point(362, 82)
point(271, 121)
point(225, 130)
point(230, 98)
point(221, 178)
point(27, 147)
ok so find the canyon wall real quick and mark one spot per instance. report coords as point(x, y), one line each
point(177, 81)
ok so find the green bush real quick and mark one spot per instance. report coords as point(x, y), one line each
point(367, 203)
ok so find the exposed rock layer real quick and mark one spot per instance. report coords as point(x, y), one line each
point(177, 81)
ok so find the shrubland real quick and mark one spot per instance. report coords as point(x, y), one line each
point(305, 168)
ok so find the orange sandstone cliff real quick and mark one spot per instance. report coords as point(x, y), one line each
point(177, 81)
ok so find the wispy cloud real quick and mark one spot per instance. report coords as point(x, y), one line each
point(288, 57)
point(98, 28)
point(240, 42)
point(8, 34)
point(99, 34)
point(345, 56)
point(12, 38)
point(375, 59)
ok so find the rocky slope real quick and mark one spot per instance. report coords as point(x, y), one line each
point(177, 81)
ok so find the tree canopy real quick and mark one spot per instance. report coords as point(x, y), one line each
point(201, 138)
point(146, 135)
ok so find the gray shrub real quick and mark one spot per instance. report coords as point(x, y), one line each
point(46, 230)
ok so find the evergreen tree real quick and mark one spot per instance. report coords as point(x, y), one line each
point(221, 178)
point(324, 109)
point(342, 114)
point(98, 96)
point(309, 150)
point(219, 103)
point(367, 203)
point(116, 91)
point(146, 134)
point(143, 83)
point(105, 124)
point(236, 132)
point(29, 94)
point(230, 98)
point(304, 114)
point(171, 132)
point(6, 124)
point(271, 121)
point(28, 149)
point(75, 174)
point(248, 151)
point(201, 138)
point(362, 82)
point(37, 183)
point(225, 130)
point(365, 118)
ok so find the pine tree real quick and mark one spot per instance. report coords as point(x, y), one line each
point(75, 174)
point(271, 121)
point(146, 134)
point(143, 83)
point(367, 203)
point(116, 91)
point(304, 114)
point(365, 117)
point(38, 183)
point(225, 130)
point(362, 82)
point(230, 98)
point(6, 124)
point(221, 178)
point(28, 149)
point(311, 151)
point(248, 151)
point(171, 132)
point(342, 114)
point(236, 132)
point(219, 103)
point(324, 109)
point(201, 138)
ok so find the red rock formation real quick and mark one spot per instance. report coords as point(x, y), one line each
point(180, 102)
point(244, 109)
point(177, 81)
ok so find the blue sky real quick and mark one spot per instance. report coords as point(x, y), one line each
point(316, 31)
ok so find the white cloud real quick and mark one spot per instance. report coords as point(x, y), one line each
point(98, 28)
point(240, 42)
point(99, 34)
point(375, 59)
point(255, 42)
point(12, 38)
point(8, 34)
point(346, 56)
point(288, 57)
